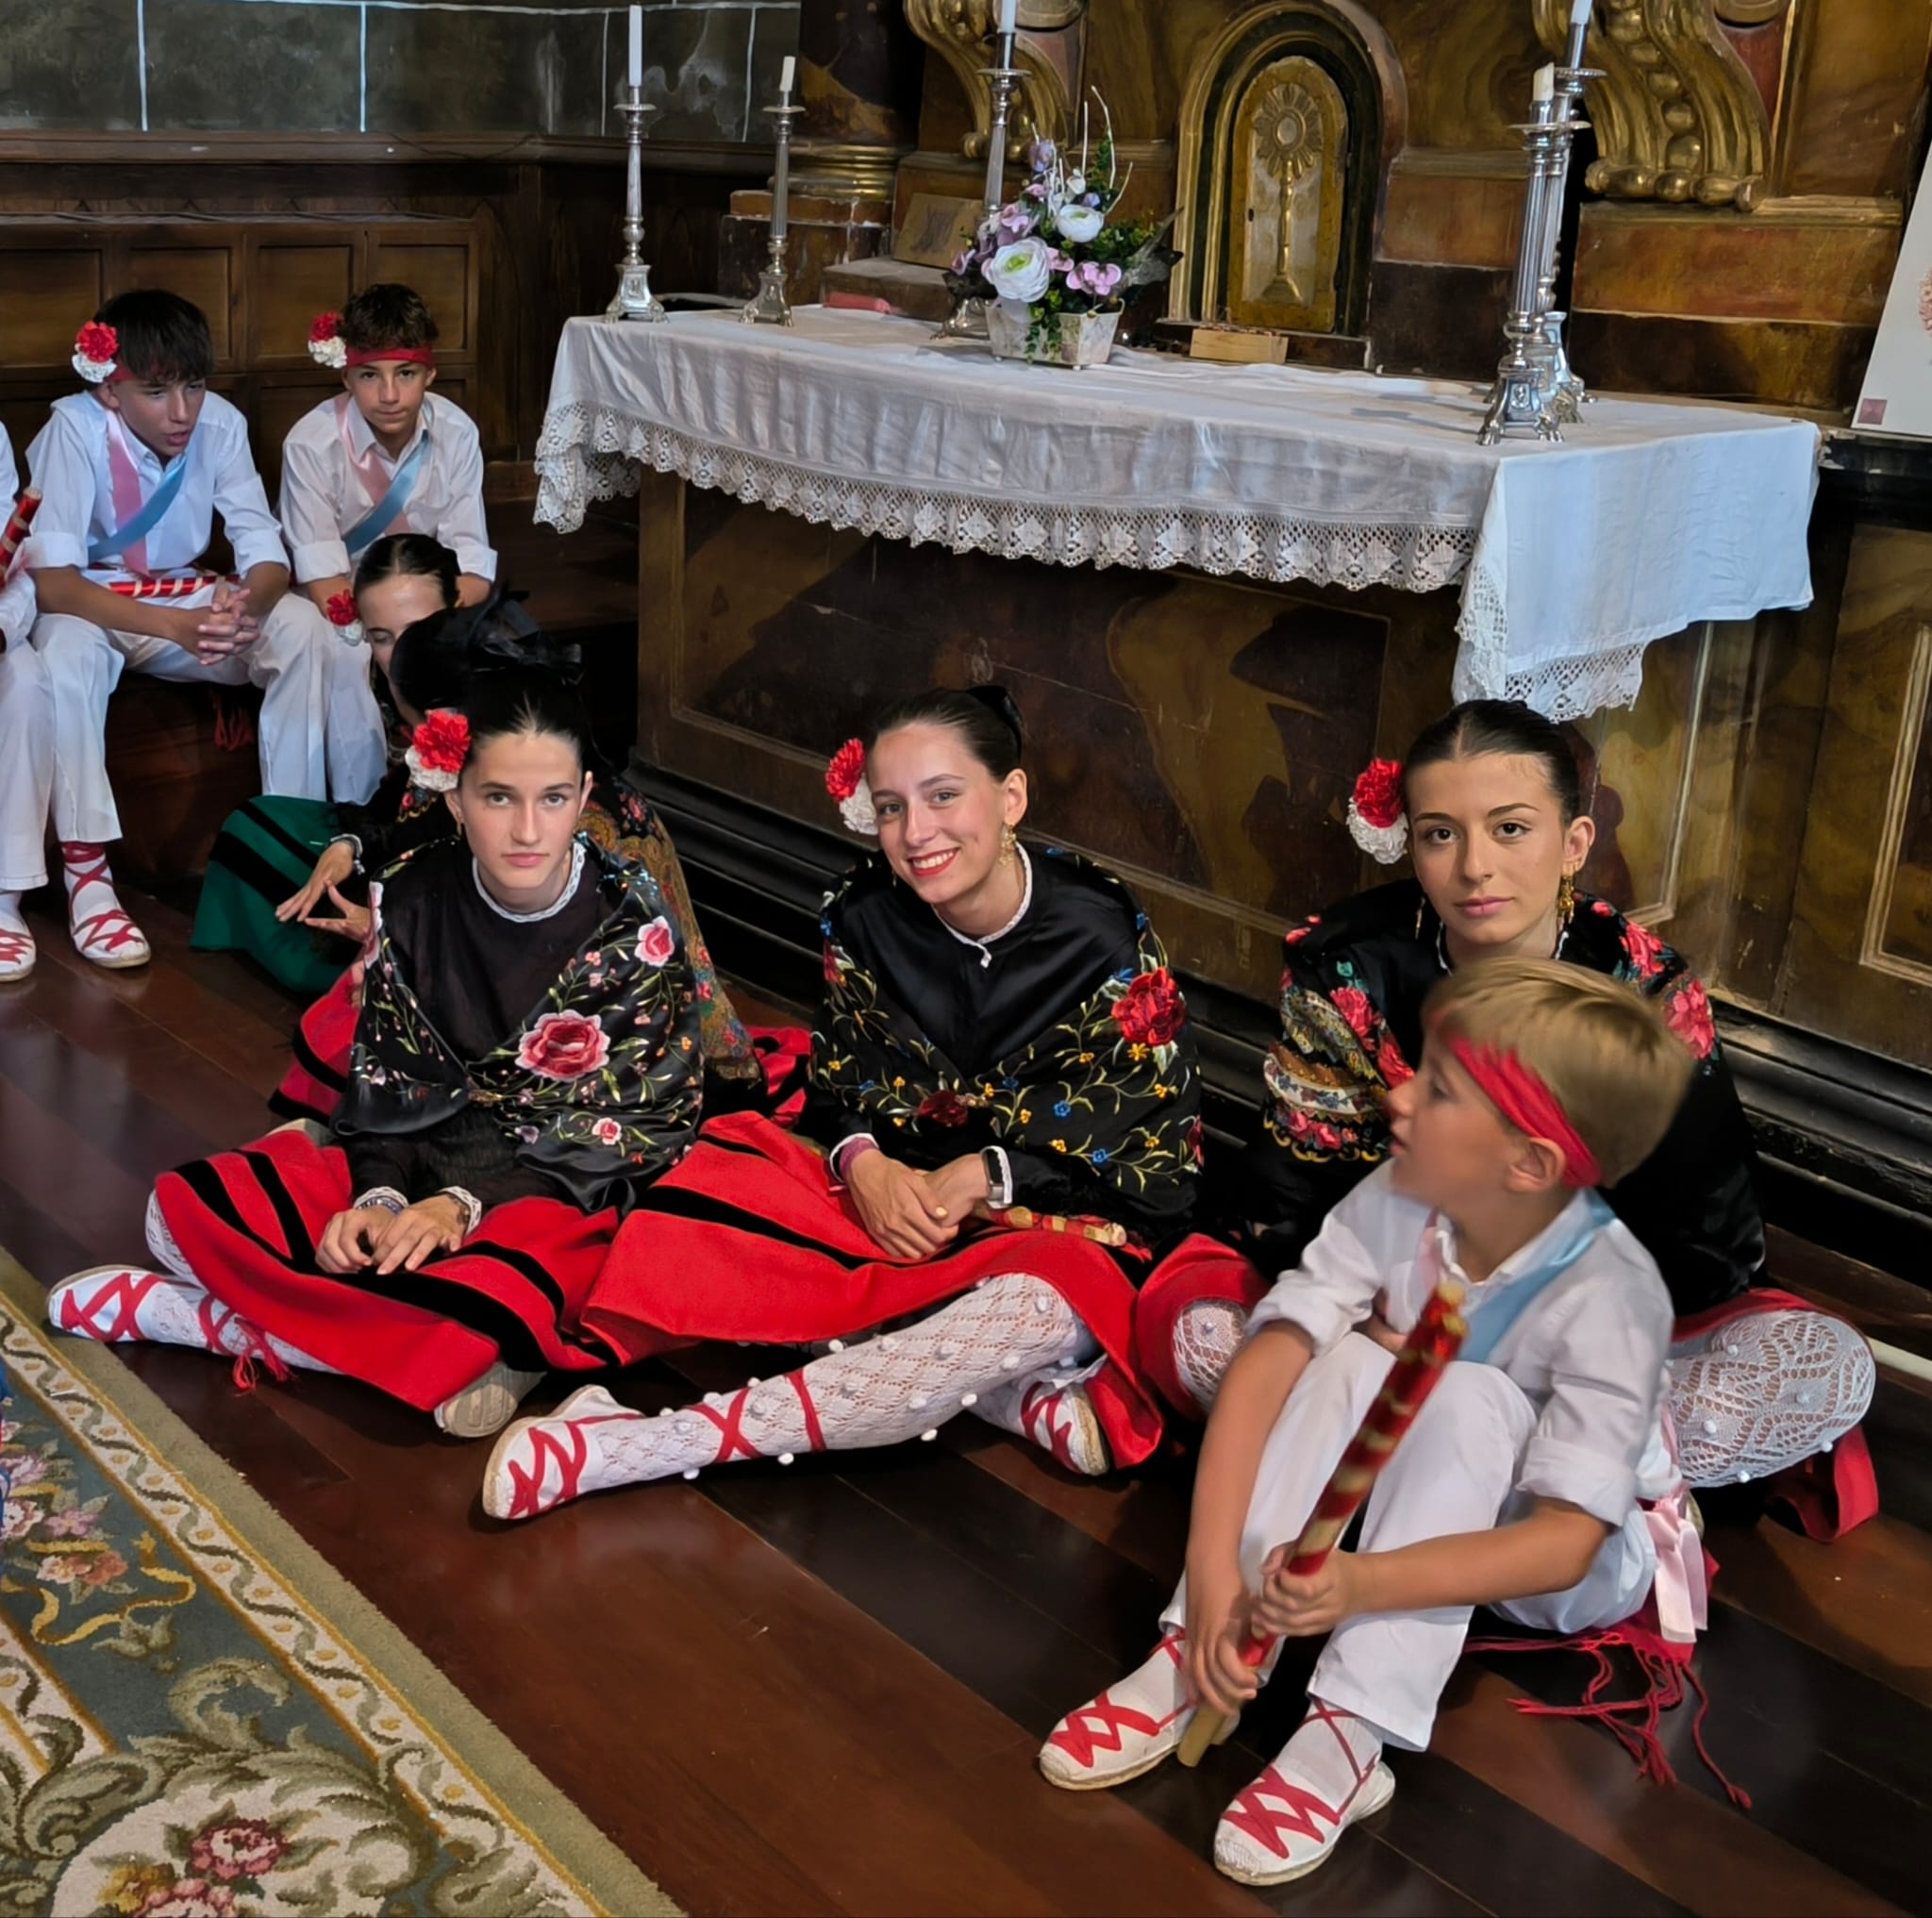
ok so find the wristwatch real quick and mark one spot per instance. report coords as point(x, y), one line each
point(999, 1178)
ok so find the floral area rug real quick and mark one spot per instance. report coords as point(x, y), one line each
point(200, 1719)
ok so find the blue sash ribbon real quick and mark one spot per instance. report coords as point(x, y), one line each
point(393, 503)
point(154, 509)
point(1491, 1315)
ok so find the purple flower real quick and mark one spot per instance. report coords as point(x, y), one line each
point(1042, 155)
point(1096, 278)
point(1016, 222)
point(962, 259)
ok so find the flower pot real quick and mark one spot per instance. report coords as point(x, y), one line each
point(1084, 338)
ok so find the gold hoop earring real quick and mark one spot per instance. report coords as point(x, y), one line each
point(1566, 900)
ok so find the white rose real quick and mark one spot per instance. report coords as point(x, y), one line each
point(1080, 224)
point(1020, 271)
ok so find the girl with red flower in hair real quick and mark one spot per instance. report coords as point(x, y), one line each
point(994, 1168)
point(526, 1061)
point(1489, 807)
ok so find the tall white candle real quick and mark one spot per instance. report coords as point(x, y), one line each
point(1545, 86)
point(1009, 16)
point(787, 74)
point(636, 68)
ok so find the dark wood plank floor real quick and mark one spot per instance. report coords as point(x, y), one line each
point(820, 1690)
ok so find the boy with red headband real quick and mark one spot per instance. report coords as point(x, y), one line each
point(1522, 1484)
point(132, 473)
point(382, 456)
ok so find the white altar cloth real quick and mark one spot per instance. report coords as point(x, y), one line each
point(1649, 518)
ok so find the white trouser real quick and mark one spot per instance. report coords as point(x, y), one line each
point(26, 767)
point(320, 729)
point(1454, 1471)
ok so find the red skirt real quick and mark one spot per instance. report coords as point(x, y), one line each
point(319, 1073)
point(745, 1240)
point(247, 1224)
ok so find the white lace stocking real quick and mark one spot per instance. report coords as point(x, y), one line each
point(901, 1385)
point(1765, 1390)
point(1206, 1338)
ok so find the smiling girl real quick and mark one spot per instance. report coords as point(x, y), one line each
point(998, 1143)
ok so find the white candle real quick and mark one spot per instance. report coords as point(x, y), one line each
point(1579, 11)
point(636, 68)
point(1545, 86)
point(1009, 16)
point(786, 74)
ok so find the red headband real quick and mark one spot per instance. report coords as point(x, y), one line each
point(1523, 1098)
point(423, 355)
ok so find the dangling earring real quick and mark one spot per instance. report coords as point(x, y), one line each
point(1009, 839)
point(1566, 902)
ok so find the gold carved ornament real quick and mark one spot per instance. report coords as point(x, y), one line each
point(1677, 116)
point(961, 31)
point(1292, 138)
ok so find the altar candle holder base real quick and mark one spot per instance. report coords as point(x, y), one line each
point(634, 299)
point(1567, 393)
point(967, 321)
point(768, 307)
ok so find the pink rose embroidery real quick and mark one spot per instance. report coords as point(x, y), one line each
point(563, 1045)
point(1395, 1069)
point(656, 943)
point(608, 1132)
point(1353, 1004)
point(243, 1848)
point(1689, 1016)
point(1645, 949)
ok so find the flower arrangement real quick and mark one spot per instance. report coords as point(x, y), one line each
point(327, 346)
point(1052, 251)
point(97, 347)
point(438, 748)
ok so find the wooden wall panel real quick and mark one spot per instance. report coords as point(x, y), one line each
point(203, 274)
point(45, 294)
point(290, 280)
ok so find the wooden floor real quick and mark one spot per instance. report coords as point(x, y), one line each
point(819, 1689)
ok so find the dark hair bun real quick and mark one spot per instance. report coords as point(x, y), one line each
point(999, 702)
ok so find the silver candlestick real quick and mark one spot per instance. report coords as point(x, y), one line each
point(1569, 393)
point(968, 321)
point(634, 299)
point(768, 306)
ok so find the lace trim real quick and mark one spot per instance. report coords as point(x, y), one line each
point(983, 946)
point(591, 452)
point(550, 911)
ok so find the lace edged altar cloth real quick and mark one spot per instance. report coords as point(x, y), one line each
point(1650, 518)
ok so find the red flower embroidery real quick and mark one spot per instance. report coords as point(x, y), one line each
point(1378, 793)
point(441, 742)
point(1353, 1004)
point(1688, 1014)
point(1395, 1069)
point(834, 973)
point(342, 608)
point(242, 1848)
point(1646, 948)
point(846, 771)
point(563, 1045)
point(1151, 1011)
point(97, 343)
point(608, 1132)
point(656, 943)
point(324, 328)
point(944, 1108)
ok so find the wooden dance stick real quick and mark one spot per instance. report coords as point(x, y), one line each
point(178, 586)
point(1436, 1339)
point(18, 522)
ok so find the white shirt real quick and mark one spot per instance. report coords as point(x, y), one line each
point(1587, 1352)
point(17, 604)
point(322, 495)
point(69, 461)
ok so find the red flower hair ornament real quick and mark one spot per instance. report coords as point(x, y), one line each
point(96, 351)
point(845, 781)
point(327, 346)
point(438, 748)
point(1377, 820)
point(342, 615)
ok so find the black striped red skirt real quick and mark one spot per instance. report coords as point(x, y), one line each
point(247, 1223)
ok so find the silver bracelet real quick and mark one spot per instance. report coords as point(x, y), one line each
point(382, 1198)
point(471, 1205)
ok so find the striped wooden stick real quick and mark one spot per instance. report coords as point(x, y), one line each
point(18, 521)
point(1436, 1337)
point(176, 586)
